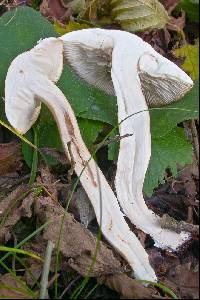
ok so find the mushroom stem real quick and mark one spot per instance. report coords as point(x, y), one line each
point(105, 204)
point(139, 76)
point(135, 151)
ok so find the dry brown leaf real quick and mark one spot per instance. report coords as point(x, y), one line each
point(47, 179)
point(10, 288)
point(55, 10)
point(177, 24)
point(170, 4)
point(58, 155)
point(10, 157)
point(186, 280)
point(12, 208)
point(128, 287)
point(78, 244)
point(84, 207)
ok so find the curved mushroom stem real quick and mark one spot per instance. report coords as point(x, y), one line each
point(135, 151)
point(113, 226)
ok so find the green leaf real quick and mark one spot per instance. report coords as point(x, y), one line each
point(162, 121)
point(113, 148)
point(191, 7)
point(166, 152)
point(71, 26)
point(191, 55)
point(77, 6)
point(139, 15)
point(90, 130)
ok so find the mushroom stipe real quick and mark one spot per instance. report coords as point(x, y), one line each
point(119, 63)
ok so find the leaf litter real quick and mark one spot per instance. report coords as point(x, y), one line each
point(178, 197)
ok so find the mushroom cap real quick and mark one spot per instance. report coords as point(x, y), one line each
point(89, 53)
point(22, 107)
point(161, 80)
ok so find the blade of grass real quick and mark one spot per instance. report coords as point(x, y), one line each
point(17, 134)
point(9, 287)
point(28, 271)
point(91, 291)
point(46, 268)
point(35, 158)
point(19, 251)
point(23, 139)
point(29, 291)
point(37, 231)
point(162, 287)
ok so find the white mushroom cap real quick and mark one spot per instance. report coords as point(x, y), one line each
point(89, 53)
point(90, 57)
point(22, 107)
point(162, 82)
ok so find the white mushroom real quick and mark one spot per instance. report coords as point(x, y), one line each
point(122, 63)
point(30, 80)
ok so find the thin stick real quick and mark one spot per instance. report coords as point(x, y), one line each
point(45, 272)
point(195, 138)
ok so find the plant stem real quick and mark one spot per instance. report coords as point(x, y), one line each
point(45, 273)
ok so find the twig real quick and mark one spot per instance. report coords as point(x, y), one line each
point(68, 287)
point(111, 140)
point(45, 272)
point(170, 223)
point(51, 281)
point(195, 138)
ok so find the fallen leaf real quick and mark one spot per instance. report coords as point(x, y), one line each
point(10, 288)
point(170, 4)
point(158, 39)
point(84, 207)
point(177, 24)
point(71, 26)
point(191, 55)
point(47, 180)
point(77, 243)
point(10, 157)
point(55, 10)
point(128, 287)
point(186, 280)
point(12, 209)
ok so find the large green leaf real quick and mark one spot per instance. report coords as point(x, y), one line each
point(166, 118)
point(166, 152)
point(137, 15)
